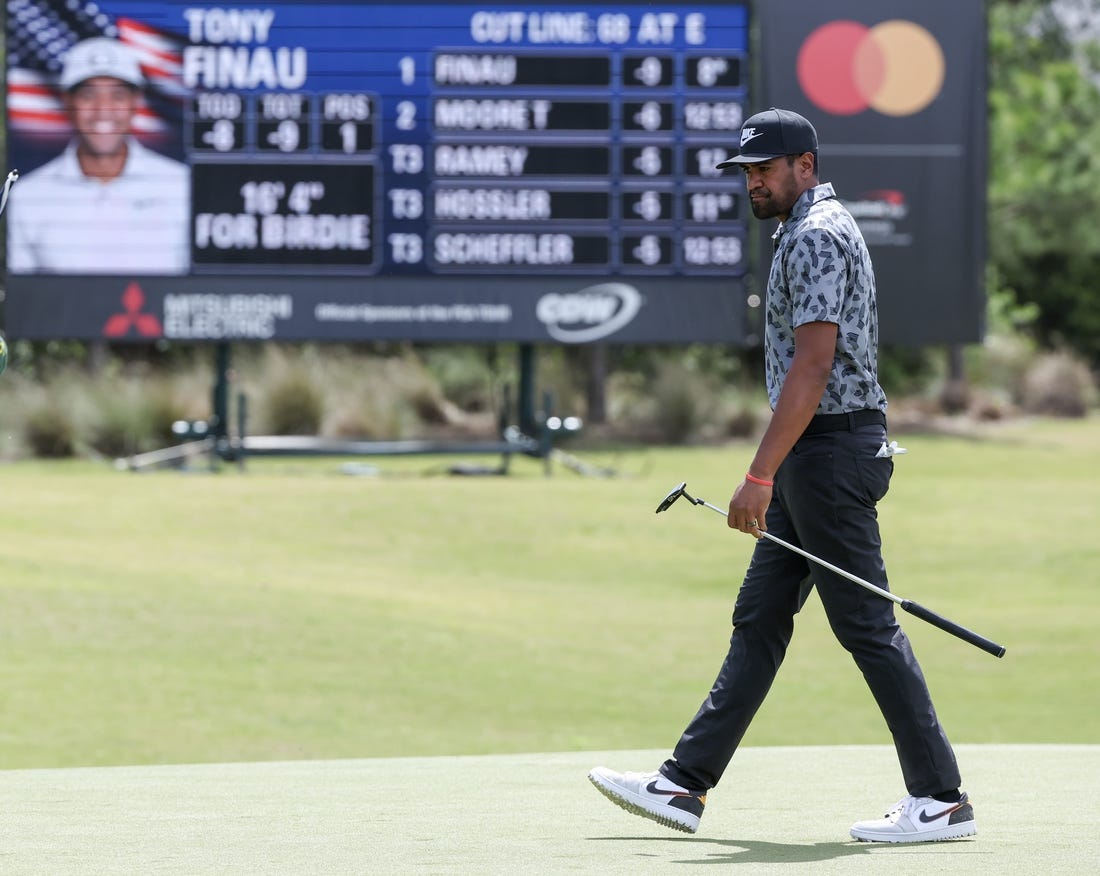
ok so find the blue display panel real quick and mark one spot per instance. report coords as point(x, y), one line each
point(377, 170)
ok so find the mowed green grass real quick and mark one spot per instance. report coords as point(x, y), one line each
point(296, 612)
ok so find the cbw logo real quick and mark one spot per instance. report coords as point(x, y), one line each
point(145, 324)
point(590, 314)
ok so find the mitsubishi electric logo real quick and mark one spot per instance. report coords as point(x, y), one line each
point(590, 314)
point(132, 319)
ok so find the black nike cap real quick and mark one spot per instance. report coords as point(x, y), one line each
point(771, 134)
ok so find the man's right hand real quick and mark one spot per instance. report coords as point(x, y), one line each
point(748, 508)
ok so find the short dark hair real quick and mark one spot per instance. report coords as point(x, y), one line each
point(794, 155)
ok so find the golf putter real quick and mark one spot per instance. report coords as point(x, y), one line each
point(908, 605)
point(8, 183)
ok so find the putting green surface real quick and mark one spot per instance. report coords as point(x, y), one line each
point(781, 810)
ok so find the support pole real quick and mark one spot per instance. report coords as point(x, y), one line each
point(526, 400)
point(219, 422)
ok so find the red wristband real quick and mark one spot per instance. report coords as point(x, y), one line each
point(755, 480)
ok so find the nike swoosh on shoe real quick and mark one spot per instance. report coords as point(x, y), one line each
point(653, 789)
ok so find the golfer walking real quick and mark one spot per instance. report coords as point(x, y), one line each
point(821, 466)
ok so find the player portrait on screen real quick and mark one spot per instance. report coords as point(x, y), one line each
point(107, 204)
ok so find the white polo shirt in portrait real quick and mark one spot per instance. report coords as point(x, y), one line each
point(62, 222)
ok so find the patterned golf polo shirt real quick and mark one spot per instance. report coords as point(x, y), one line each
point(821, 272)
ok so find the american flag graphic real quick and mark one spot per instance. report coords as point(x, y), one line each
point(41, 32)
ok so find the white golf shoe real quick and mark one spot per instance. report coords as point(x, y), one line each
point(653, 796)
point(919, 820)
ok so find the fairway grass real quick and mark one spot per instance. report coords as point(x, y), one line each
point(779, 810)
point(294, 613)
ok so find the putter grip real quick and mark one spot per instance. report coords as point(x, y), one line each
point(953, 628)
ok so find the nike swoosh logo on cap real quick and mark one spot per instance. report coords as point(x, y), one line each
point(750, 134)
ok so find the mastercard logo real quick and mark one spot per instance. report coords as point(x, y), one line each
point(895, 68)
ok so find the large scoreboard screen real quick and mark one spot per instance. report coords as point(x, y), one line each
point(447, 171)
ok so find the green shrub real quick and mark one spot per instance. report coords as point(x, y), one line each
point(463, 374)
point(131, 415)
point(678, 404)
point(294, 404)
point(162, 409)
point(1001, 362)
point(675, 399)
point(55, 402)
point(686, 403)
point(119, 429)
point(559, 381)
point(1059, 385)
point(50, 429)
point(905, 370)
point(743, 421)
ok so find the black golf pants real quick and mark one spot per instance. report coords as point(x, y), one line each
point(824, 502)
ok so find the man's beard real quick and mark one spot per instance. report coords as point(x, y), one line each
point(765, 209)
point(774, 203)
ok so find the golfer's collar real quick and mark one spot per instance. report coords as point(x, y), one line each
point(807, 199)
point(814, 195)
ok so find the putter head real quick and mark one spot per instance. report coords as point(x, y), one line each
point(674, 494)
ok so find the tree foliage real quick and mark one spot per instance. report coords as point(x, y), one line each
point(1044, 187)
